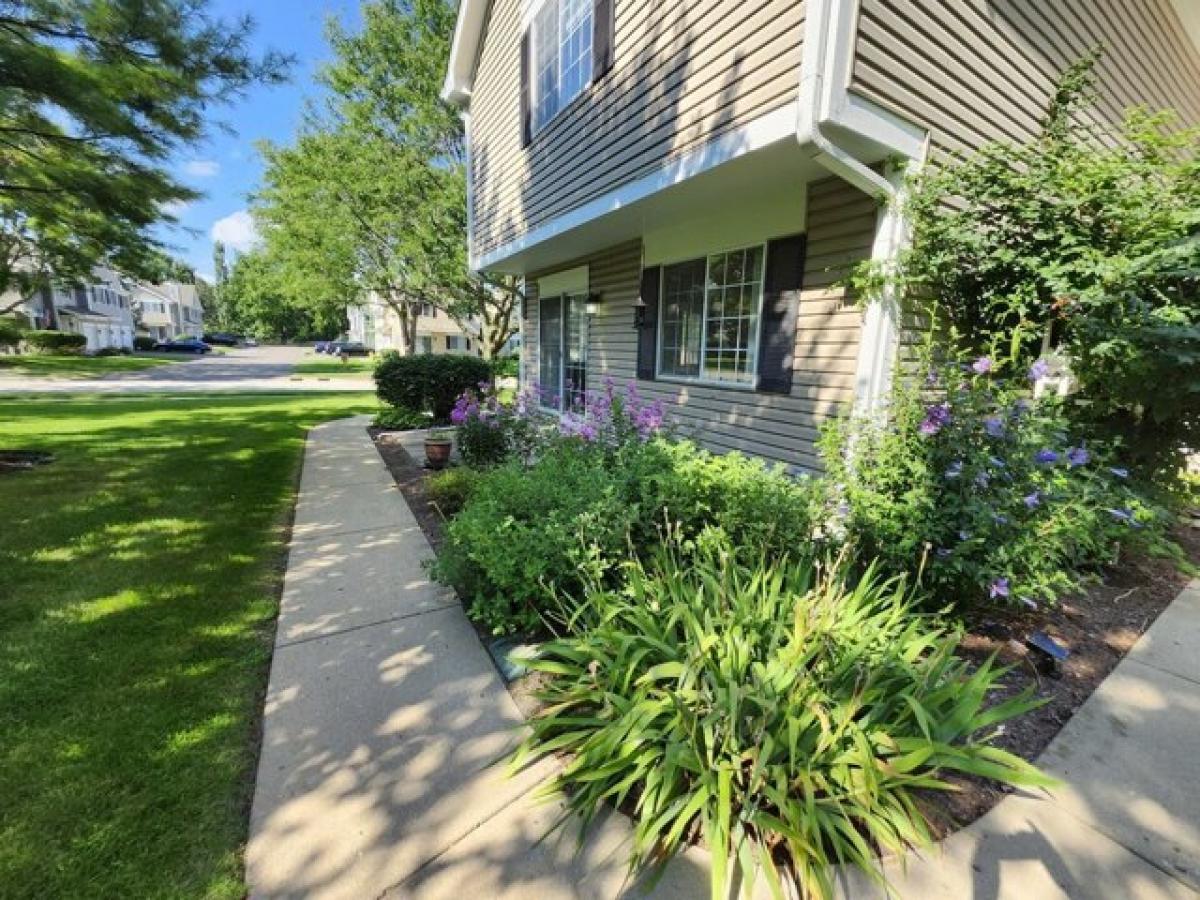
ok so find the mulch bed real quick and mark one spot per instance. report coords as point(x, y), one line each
point(1098, 626)
point(410, 476)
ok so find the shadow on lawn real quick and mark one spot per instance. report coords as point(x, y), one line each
point(138, 586)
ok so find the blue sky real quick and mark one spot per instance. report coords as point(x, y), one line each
point(226, 167)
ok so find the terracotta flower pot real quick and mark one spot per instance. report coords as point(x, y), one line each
point(437, 452)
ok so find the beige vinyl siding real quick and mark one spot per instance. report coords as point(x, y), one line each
point(683, 73)
point(781, 428)
point(975, 71)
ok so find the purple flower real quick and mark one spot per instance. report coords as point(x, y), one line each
point(999, 588)
point(1078, 456)
point(1119, 472)
point(1033, 500)
point(937, 417)
point(1039, 370)
point(1045, 457)
point(994, 426)
point(982, 366)
point(954, 469)
point(931, 379)
point(457, 415)
point(1000, 518)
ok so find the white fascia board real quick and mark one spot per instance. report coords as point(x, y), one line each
point(777, 125)
point(464, 51)
point(568, 281)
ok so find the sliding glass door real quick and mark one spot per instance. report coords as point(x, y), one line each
point(562, 347)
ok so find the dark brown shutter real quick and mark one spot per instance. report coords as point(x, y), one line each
point(604, 27)
point(526, 112)
point(781, 301)
point(647, 344)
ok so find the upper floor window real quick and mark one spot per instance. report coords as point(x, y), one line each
point(710, 317)
point(562, 56)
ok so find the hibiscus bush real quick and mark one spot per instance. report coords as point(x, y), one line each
point(981, 491)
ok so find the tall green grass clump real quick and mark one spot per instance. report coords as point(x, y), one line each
point(784, 712)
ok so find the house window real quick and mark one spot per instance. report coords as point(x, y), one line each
point(562, 337)
point(425, 342)
point(562, 56)
point(709, 317)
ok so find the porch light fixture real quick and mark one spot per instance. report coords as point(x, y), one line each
point(592, 305)
point(639, 313)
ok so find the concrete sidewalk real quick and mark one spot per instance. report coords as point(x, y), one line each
point(385, 717)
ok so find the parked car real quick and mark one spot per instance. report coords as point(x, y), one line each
point(183, 345)
point(250, 342)
point(348, 348)
point(222, 338)
point(321, 346)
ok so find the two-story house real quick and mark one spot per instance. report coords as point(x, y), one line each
point(377, 326)
point(168, 310)
point(102, 311)
point(683, 186)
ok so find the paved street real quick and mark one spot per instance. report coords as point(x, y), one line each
point(235, 369)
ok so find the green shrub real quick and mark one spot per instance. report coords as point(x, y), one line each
point(451, 488)
point(54, 341)
point(761, 507)
point(428, 382)
point(397, 418)
point(789, 718)
point(10, 333)
point(983, 493)
point(507, 366)
point(143, 342)
point(527, 534)
point(112, 351)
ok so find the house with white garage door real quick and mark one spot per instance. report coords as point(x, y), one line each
point(684, 186)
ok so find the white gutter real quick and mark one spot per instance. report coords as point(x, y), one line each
point(828, 44)
point(830, 29)
point(464, 49)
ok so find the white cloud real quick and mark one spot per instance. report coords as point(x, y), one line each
point(202, 168)
point(236, 231)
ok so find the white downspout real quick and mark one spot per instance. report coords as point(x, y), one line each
point(828, 40)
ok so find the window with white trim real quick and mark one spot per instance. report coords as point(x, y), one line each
point(709, 317)
point(562, 56)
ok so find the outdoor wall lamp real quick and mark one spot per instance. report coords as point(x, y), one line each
point(639, 313)
point(592, 305)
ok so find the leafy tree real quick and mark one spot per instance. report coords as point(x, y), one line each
point(371, 198)
point(96, 96)
point(1087, 239)
point(256, 300)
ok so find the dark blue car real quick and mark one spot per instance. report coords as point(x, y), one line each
point(183, 345)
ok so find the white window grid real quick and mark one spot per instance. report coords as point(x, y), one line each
point(562, 56)
point(725, 351)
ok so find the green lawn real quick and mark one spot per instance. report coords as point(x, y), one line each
point(314, 364)
point(69, 366)
point(139, 580)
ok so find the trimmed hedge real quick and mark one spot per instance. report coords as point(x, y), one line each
point(10, 334)
point(142, 342)
point(428, 382)
point(55, 341)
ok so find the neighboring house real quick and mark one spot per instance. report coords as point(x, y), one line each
point(101, 310)
point(168, 310)
point(377, 326)
point(684, 186)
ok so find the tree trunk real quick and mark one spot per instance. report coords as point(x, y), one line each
point(50, 308)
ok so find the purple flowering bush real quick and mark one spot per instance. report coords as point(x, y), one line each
point(571, 499)
point(982, 493)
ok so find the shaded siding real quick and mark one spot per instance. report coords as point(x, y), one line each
point(683, 74)
point(975, 71)
point(841, 226)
